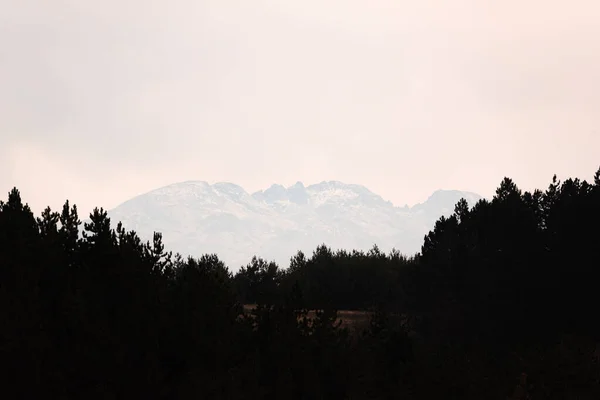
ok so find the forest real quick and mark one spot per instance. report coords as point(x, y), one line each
point(500, 303)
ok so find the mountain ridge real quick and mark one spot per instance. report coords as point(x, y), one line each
point(298, 183)
point(196, 217)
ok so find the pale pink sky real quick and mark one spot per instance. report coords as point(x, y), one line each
point(101, 101)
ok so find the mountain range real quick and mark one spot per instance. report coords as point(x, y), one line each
point(197, 218)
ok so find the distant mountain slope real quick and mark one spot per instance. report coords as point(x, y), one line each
point(197, 218)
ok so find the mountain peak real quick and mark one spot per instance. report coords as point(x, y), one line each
point(452, 194)
point(275, 223)
point(445, 200)
point(297, 185)
point(228, 186)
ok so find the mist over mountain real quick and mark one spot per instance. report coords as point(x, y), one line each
point(196, 218)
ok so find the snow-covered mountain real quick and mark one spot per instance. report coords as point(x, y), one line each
point(197, 218)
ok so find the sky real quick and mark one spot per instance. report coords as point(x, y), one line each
point(102, 101)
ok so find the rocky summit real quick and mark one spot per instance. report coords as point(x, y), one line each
point(197, 218)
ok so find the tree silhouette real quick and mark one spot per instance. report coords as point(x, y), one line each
point(504, 289)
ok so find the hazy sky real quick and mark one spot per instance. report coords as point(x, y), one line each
point(104, 100)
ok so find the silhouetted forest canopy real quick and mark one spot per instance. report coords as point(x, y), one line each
point(500, 303)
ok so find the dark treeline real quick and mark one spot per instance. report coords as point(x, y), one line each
point(500, 303)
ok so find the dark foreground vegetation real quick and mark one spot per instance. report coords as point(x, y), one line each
point(502, 302)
